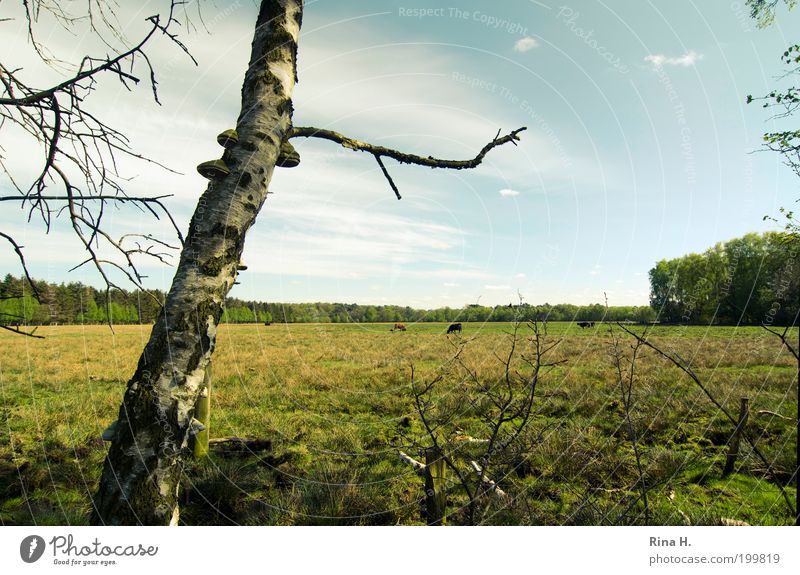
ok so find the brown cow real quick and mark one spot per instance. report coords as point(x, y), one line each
point(399, 327)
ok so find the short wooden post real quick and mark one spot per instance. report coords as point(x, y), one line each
point(435, 493)
point(202, 413)
point(733, 445)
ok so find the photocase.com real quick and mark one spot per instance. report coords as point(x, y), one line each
point(65, 546)
point(66, 550)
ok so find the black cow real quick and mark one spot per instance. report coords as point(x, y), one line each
point(454, 327)
point(585, 324)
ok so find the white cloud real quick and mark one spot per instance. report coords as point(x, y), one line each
point(519, 276)
point(311, 233)
point(496, 288)
point(508, 193)
point(450, 284)
point(690, 58)
point(525, 44)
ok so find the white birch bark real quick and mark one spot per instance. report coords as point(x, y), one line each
point(141, 474)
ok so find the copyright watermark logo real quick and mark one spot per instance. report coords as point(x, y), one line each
point(31, 549)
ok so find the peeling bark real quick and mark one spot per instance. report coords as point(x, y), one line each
point(142, 470)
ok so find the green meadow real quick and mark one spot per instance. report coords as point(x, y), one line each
point(333, 406)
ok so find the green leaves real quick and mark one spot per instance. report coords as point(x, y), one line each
point(763, 11)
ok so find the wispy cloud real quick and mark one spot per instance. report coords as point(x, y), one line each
point(525, 44)
point(508, 193)
point(690, 58)
point(308, 234)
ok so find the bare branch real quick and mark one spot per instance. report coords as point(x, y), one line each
point(419, 467)
point(784, 340)
point(388, 177)
point(626, 391)
point(683, 366)
point(98, 65)
point(381, 151)
point(21, 332)
point(75, 140)
point(487, 484)
point(402, 157)
point(18, 250)
point(773, 414)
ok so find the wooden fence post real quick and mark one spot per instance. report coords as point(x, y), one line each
point(202, 413)
point(733, 445)
point(435, 493)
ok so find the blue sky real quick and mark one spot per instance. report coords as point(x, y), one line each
point(639, 146)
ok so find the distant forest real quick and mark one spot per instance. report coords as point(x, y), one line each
point(749, 280)
point(79, 303)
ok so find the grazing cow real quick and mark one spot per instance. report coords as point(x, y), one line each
point(399, 327)
point(267, 323)
point(454, 327)
point(585, 324)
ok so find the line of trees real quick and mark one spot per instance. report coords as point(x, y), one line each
point(752, 280)
point(247, 311)
point(748, 280)
point(71, 303)
point(78, 303)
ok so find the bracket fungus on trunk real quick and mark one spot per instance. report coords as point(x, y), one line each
point(213, 169)
point(288, 157)
point(228, 138)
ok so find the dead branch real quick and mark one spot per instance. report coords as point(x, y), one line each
point(683, 366)
point(98, 65)
point(783, 338)
point(503, 405)
point(626, 382)
point(75, 140)
point(419, 467)
point(18, 251)
point(487, 484)
point(16, 330)
point(380, 151)
point(470, 439)
point(773, 414)
point(240, 444)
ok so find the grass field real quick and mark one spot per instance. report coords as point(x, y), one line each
point(334, 402)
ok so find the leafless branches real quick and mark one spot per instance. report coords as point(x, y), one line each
point(502, 404)
point(684, 366)
point(625, 380)
point(380, 152)
point(784, 339)
point(76, 141)
point(794, 351)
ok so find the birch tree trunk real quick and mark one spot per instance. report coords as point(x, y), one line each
point(142, 470)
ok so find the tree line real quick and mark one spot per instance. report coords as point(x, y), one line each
point(750, 280)
point(78, 303)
